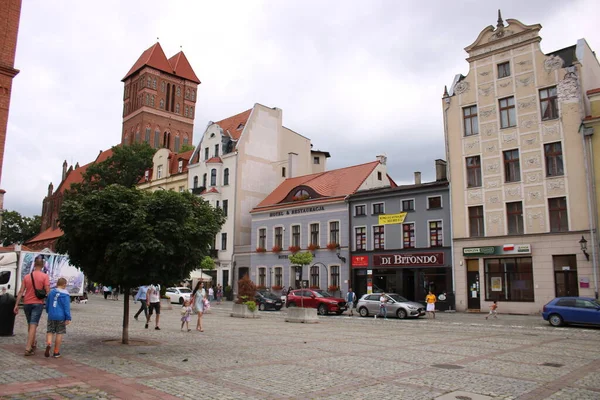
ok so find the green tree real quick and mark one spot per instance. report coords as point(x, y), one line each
point(17, 228)
point(186, 147)
point(124, 236)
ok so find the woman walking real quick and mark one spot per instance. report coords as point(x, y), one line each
point(198, 296)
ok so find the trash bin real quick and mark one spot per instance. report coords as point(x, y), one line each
point(7, 314)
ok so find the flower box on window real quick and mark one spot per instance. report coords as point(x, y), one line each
point(276, 249)
point(294, 249)
point(261, 287)
point(333, 288)
point(313, 247)
point(333, 246)
point(276, 287)
point(261, 250)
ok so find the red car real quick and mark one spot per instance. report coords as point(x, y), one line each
point(315, 298)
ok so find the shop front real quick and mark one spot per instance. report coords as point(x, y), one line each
point(411, 275)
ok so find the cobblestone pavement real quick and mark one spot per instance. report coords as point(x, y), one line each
point(341, 357)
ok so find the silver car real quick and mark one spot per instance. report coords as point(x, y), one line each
point(396, 306)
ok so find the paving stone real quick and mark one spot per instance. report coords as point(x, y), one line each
point(591, 380)
point(383, 391)
point(188, 387)
point(574, 394)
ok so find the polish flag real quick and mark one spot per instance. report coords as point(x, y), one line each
point(508, 247)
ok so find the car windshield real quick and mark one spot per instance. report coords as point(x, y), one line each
point(184, 290)
point(269, 295)
point(397, 297)
point(322, 293)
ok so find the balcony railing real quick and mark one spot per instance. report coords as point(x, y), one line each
point(214, 253)
point(198, 190)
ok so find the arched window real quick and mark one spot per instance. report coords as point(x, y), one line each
point(168, 94)
point(177, 108)
point(147, 137)
point(301, 195)
point(154, 84)
point(137, 136)
point(178, 91)
point(204, 180)
point(185, 139)
point(226, 177)
point(156, 138)
point(149, 82)
point(176, 143)
point(191, 112)
point(213, 177)
point(162, 86)
point(147, 99)
point(187, 93)
point(167, 140)
point(152, 101)
point(195, 182)
point(162, 104)
point(193, 95)
point(186, 111)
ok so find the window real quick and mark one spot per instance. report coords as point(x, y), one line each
point(159, 171)
point(334, 232)
point(278, 276)
point(161, 104)
point(149, 82)
point(476, 228)
point(205, 153)
point(379, 175)
point(314, 234)
point(147, 135)
point(435, 234)
point(554, 159)
point(177, 143)
point(408, 236)
point(378, 209)
point(512, 168)
point(549, 103)
point(262, 277)
point(470, 121)
point(162, 86)
point(223, 241)
point(152, 99)
point(503, 70)
point(514, 216)
point(558, 214)
point(225, 207)
point(204, 180)
point(283, 172)
point(154, 84)
point(360, 235)
point(509, 279)
point(137, 137)
point(147, 99)
point(507, 112)
point(187, 93)
point(360, 210)
point(213, 177)
point(378, 237)
point(279, 236)
point(262, 238)
point(335, 275)
point(434, 202)
point(408, 205)
point(180, 166)
point(156, 138)
point(316, 160)
point(185, 111)
point(195, 182)
point(296, 235)
point(181, 189)
point(226, 177)
point(177, 108)
point(216, 150)
point(314, 276)
point(193, 95)
point(191, 112)
point(178, 91)
point(474, 171)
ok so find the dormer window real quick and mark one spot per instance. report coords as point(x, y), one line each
point(301, 195)
point(147, 175)
point(240, 127)
point(180, 166)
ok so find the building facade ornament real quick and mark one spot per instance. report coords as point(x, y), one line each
point(525, 81)
point(492, 184)
point(553, 63)
point(568, 88)
point(492, 167)
point(509, 137)
point(475, 195)
point(485, 91)
point(525, 104)
point(506, 83)
point(470, 145)
point(513, 192)
point(491, 148)
point(533, 177)
point(461, 87)
point(556, 184)
point(532, 216)
point(533, 160)
point(494, 199)
point(531, 141)
point(488, 112)
point(534, 195)
point(549, 130)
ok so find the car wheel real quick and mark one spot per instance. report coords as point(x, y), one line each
point(322, 309)
point(277, 308)
point(261, 306)
point(363, 312)
point(181, 300)
point(555, 320)
point(291, 304)
point(401, 313)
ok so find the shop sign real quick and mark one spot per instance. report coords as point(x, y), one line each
point(387, 219)
point(504, 250)
point(296, 211)
point(360, 261)
point(401, 260)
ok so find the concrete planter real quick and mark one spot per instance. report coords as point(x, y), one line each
point(241, 311)
point(165, 304)
point(302, 315)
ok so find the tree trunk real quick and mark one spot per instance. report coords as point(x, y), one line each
point(125, 338)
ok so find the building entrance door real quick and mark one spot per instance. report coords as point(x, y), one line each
point(566, 283)
point(408, 285)
point(473, 287)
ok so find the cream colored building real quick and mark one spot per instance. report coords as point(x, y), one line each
point(238, 162)
point(517, 172)
point(169, 171)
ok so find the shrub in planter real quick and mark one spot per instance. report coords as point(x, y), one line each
point(251, 305)
point(276, 249)
point(261, 250)
point(294, 249)
point(333, 246)
point(228, 292)
point(246, 290)
point(313, 247)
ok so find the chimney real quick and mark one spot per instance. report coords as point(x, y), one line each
point(440, 170)
point(50, 189)
point(291, 164)
point(382, 159)
point(417, 178)
point(64, 171)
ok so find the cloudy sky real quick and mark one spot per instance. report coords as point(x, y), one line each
point(357, 77)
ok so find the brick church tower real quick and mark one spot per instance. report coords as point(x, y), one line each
point(10, 13)
point(159, 100)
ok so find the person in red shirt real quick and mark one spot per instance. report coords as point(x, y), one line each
point(32, 306)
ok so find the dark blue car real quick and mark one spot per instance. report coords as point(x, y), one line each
point(572, 310)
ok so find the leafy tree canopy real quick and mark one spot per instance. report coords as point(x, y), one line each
point(207, 263)
point(186, 147)
point(301, 258)
point(17, 228)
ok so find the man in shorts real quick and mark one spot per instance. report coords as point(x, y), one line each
point(153, 302)
point(32, 305)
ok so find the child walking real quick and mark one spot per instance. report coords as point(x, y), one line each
point(493, 310)
point(186, 315)
point(58, 306)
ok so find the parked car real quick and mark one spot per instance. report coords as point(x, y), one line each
point(396, 305)
point(266, 300)
point(572, 310)
point(316, 298)
point(178, 294)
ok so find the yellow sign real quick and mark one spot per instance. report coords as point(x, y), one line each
point(386, 219)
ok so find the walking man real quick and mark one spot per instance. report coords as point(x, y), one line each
point(350, 299)
point(382, 306)
point(34, 289)
point(430, 299)
point(153, 302)
point(141, 297)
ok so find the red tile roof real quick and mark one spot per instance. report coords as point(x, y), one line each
point(76, 175)
point(174, 163)
point(337, 183)
point(211, 190)
point(231, 124)
point(214, 160)
point(48, 234)
point(181, 67)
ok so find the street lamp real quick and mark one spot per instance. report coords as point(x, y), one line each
point(583, 244)
point(342, 258)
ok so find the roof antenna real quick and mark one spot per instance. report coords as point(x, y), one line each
point(500, 21)
point(157, 38)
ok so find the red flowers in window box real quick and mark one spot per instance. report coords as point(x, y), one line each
point(261, 250)
point(276, 287)
point(313, 247)
point(276, 249)
point(294, 249)
point(333, 246)
point(333, 288)
point(261, 287)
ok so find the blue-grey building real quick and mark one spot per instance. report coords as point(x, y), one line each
point(401, 239)
point(309, 213)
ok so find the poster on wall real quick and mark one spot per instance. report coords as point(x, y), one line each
point(56, 266)
point(496, 283)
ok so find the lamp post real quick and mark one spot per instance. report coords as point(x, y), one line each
point(583, 244)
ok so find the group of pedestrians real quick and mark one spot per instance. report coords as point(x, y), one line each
point(149, 298)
